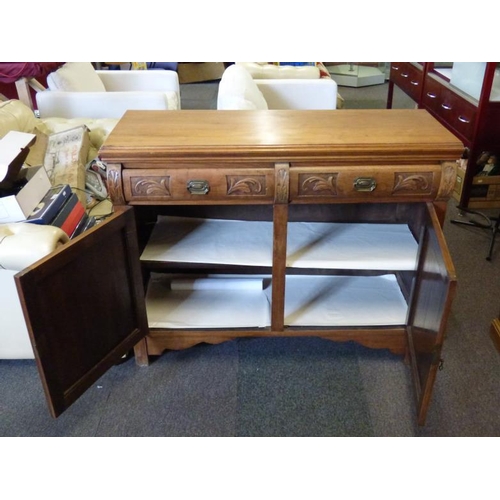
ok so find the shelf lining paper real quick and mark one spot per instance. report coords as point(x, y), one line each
point(324, 245)
point(329, 301)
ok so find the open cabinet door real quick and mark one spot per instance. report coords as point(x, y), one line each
point(431, 305)
point(84, 307)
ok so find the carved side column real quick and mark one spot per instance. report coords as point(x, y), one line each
point(280, 221)
point(448, 179)
point(115, 183)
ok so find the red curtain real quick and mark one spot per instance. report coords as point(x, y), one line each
point(10, 72)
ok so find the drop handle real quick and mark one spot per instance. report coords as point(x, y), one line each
point(366, 184)
point(198, 186)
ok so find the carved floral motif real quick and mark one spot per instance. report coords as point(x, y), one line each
point(448, 178)
point(150, 186)
point(314, 185)
point(282, 177)
point(245, 186)
point(114, 184)
point(413, 183)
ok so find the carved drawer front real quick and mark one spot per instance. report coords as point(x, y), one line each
point(331, 183)
point(198, 185)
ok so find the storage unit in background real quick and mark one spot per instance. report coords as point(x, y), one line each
point(465, 98)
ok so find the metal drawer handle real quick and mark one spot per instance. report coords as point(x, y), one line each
point(405, 75)
point(198, 187)
point(395, 68)
point(365, 184)
point(413, 82)
point(431, 95)
point(446, 106)
point(463, 119)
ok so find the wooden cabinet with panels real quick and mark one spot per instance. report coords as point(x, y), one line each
point(255, 224)
point(465, 98)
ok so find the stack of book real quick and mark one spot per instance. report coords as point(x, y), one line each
point(61, 207)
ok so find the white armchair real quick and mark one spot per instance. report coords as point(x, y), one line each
point(21, 245)
point(239, 90)
point(77, 90)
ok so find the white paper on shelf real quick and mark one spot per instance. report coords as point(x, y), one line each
point(210, 241)
point(324, 245)
point(205, 308)
point(330, 245)
point(217, 284)
point(344, 301)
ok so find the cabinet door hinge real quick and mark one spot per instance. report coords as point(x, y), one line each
point(436, 357)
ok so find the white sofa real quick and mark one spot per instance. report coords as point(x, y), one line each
point(20, 246)
point(23, 244)
point(77, 90)
point(239, 90)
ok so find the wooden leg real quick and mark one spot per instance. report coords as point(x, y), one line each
point(24, 93)
point(141, 353)
point(495, 333)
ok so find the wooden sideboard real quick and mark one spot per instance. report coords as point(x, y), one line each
point(234, 196)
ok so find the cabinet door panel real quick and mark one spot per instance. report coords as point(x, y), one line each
point(430, 309)
point(84, 308)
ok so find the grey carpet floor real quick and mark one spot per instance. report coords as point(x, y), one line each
point(289, 387)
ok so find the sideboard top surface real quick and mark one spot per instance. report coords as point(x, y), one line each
point(278, 135)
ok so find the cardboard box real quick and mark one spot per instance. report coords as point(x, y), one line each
point(485, 192)
point(36, 156)
point(16, 208)
point(200, 71)
point(21, 188)
point(14, 149)
point(459, 181)
point(66, 158)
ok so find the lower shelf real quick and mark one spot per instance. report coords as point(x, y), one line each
point(223, 301)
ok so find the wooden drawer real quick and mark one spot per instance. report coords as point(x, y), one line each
point(454, 110)
point(164, 185)
point(364, 183)
point(408, 78)
point(463, 113)
point(432, 95)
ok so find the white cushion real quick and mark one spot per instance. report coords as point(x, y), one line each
point(261, 71)
point(14, 115)
point(23, 244)
point(76, 77)
point(238, 90)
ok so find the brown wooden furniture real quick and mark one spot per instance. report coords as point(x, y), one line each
point(495, 332)
point(472, 115)
point(274, 167)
